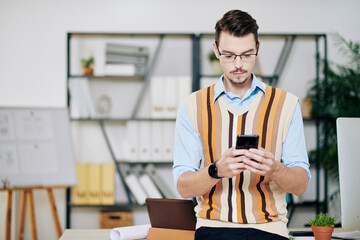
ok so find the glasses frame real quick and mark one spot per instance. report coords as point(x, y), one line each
point(236, 55)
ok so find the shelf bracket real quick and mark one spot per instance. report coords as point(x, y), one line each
point(147, 76)
point(117, 165)
point(284, 55)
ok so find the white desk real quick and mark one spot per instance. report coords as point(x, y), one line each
point(104, 234)
point(86, 234)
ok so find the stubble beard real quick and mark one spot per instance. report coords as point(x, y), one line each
point(238, 81)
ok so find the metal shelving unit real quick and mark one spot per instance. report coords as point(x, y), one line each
point(101, 121)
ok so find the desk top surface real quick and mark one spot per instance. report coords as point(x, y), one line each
point(86, 234)
point(104, 234)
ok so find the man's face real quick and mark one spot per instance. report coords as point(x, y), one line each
point(237, 72)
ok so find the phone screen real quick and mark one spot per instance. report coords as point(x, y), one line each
point(247, 141)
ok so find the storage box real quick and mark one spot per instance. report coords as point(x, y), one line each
point(109, 220)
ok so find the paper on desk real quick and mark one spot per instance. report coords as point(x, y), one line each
point(130, 233)
point(347, 235)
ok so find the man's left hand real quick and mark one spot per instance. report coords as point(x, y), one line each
point(259, 161)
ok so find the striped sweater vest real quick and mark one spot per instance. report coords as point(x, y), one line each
point(248, 197)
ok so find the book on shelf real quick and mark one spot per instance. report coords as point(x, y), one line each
point(126, 49)
point(160, 183)
point(144, 140)
point(121, 59)
point(157, 141)
point(94, 183)
point(132, 144)
point(126, 69)
point(166, 94)
point(80, 191)
point(107, 195)
point(133, 184)
point(148, 185)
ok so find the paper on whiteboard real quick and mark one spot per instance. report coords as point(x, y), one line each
point(9, 161)
point(6, 126)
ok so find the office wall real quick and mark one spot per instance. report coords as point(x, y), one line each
point(33, 45)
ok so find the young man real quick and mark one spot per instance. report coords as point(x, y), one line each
point(240, 193)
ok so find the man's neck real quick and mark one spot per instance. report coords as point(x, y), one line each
point(239, 89)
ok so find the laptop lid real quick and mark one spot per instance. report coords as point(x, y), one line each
point(348, 139)
point(171, 213)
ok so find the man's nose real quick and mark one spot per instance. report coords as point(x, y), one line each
point(238, 61)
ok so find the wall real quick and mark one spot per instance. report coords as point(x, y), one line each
point(33, 44)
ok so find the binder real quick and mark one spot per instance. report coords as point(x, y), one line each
point(170, 97)
point(169, 133)
point(94, 186)
point(133, 184)
point(157, 141)
point(160, 183)
point(144, 141)
point(146, 182)
point(132, 145)
point(80, 191)
point(107, 184)
point(157, 97)
point(120, 192)
point(183, 87)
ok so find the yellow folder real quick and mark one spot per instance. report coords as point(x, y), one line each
point(107, 184)
point(94, 181)
point(80, 191)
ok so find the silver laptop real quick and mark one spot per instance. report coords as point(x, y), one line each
point(348, 136)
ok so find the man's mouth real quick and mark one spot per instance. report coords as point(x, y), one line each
point(238, 72)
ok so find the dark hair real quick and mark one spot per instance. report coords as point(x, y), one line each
point(238, 23)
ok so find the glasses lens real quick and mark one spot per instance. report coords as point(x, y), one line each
point(232, 57)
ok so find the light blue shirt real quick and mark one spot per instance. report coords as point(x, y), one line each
point(188, 150)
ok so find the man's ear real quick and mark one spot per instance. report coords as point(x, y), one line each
point(257, 45)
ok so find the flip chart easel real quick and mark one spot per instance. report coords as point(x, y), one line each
point(27, 200)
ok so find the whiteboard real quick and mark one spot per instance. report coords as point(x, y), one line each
point(348, 139)
point(36, 148)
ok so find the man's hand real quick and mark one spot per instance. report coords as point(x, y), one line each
point(259, 161)
point(290, 179)
point(231, 162)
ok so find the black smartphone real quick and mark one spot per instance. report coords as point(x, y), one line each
point(247, 141)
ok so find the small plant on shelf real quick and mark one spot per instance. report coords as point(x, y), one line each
point(322, 226)
point(87, 64)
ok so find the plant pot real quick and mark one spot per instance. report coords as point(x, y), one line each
point(88, 71)
point(322, 232)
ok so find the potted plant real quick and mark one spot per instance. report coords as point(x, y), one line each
point(214, 61)
point(87, 64)
point(338, 95)
point(322, 226)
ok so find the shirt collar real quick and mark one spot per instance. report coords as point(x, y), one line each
point(220, 87)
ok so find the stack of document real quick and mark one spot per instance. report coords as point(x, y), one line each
point(126, 60)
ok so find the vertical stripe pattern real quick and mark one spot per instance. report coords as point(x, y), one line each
point(247, 197)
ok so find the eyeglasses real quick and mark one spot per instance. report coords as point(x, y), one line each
point(231, 57)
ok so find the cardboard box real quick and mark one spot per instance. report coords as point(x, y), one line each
point(173, 234)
